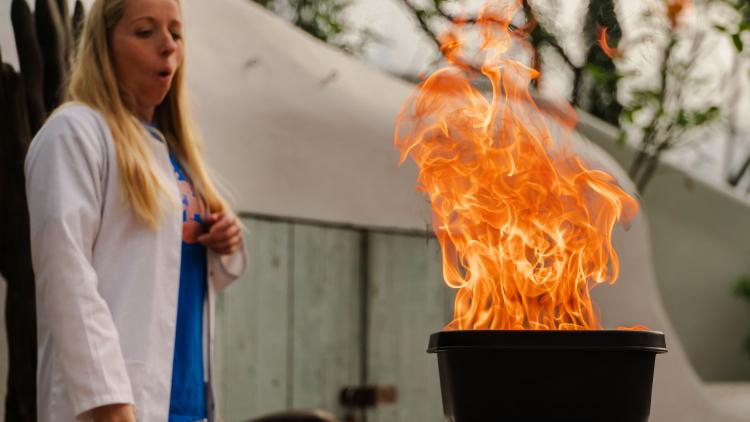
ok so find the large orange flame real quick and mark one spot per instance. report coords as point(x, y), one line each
point(601, 35)
point(524, 225)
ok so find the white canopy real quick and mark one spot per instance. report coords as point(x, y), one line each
point(298, 128)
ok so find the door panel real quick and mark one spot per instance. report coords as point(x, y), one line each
point(407, 304)
point(253, 321)
point(326, 315)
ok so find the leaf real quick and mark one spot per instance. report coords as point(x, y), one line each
point(707, 116)
point(682, 120)
point(601, 75)
point(622, 138)
point(720, 28)
point(737, 40)
point(644, 96)
point(628, 113)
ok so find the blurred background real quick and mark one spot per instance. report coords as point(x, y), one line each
point(298, 100)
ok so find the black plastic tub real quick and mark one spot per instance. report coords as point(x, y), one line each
point(547, 376)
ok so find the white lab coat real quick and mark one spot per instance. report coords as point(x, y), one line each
point(106, 284)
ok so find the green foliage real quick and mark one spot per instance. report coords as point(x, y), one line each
point(698, 118)
point(601, 75)
point(737, 40)
point(325, 20)
point(658, 115)
point(622, 138)
point(742, 8)
point(661, 116)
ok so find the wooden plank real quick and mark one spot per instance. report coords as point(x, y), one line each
point(326, 316)
point(252, 327)
point(408, 302)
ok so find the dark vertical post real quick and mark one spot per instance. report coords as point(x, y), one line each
point(77, 22)
point(51, 31)
point(43, 43)
point(15, 250)
point(30, 60)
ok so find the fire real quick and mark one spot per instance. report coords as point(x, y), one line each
point(525, 226)
point(604, 43)
point(637, 327)
point(676, 9)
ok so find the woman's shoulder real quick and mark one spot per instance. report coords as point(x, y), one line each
point(73, 126)
point(75, 115)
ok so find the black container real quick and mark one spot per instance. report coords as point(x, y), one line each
point(546, 376)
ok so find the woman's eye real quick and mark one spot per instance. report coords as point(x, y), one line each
point(143, 33)
point(176, 36)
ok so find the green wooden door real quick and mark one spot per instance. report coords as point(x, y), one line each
point(323, 307)
point(408, 302)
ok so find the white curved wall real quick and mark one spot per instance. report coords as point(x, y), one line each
point(700, 238)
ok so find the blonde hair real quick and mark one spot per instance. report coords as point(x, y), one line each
point(93, 82)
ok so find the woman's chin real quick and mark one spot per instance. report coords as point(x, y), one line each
point(159, 99)
point(160, 92)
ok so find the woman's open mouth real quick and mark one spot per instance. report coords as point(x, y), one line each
point(165, 75)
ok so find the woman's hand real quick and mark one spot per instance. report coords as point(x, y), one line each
point(114, 413)
point(224, 235)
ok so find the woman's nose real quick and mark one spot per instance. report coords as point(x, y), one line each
point(169, 45)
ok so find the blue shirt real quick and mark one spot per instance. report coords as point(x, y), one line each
point(188, 394)
point(187, 401)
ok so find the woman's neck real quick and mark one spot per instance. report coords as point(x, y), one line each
point(145, 113)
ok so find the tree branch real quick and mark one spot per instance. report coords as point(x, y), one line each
point(536, 30)
point(419, 14)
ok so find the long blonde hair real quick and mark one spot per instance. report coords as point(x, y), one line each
point(93, 82)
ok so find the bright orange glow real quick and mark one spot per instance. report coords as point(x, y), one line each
point(604, 43)
point(523, 223)
point(675, 10)
point(634, 328)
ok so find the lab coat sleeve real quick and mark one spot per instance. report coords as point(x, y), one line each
point(224, 269)
point(65, 173)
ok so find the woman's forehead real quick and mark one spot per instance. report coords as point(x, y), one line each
point(153, 10)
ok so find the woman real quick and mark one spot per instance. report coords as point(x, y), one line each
point(130, 238)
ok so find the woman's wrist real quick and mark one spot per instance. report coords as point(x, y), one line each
point(120, 412)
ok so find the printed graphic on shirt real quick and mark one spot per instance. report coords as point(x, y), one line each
point(193, 208)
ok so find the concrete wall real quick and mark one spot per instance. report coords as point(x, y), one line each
point(700, 237)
